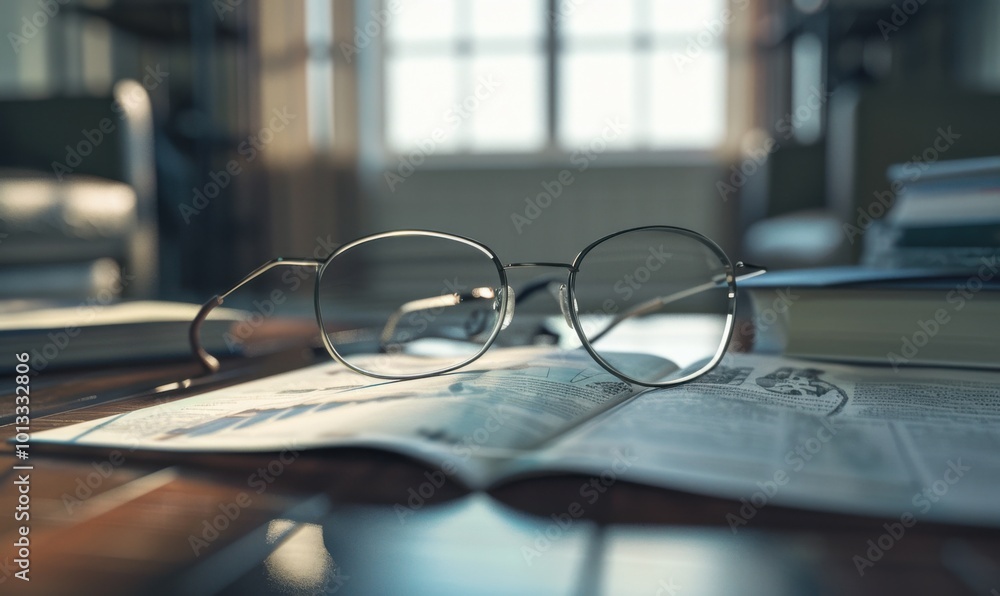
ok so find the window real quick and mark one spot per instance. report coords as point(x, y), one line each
point(489, 76)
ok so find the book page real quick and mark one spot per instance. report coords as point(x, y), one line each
point(505, 403)
point(767, 430)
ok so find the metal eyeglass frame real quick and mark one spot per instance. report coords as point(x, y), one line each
point(506, 300)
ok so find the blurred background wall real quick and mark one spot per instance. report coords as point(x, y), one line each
point(284, 127)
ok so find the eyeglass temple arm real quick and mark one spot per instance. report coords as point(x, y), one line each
point(655, 303)
point(209, 362)
point(441, 301)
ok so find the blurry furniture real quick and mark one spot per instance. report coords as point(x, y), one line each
point(783, 211)
point(78, 196)
point(870, 129)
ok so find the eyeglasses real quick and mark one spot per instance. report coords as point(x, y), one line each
point(652, 305)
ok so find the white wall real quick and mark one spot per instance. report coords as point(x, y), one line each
point(479, 203)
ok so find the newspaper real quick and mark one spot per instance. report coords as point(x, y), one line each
point(766, 430)
point(504, 404)
point(760, 430)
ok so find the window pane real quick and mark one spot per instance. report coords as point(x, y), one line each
point(509, 102)
point(491, 96)
point(690, 16)
point(420, 94)
point(416, 20)
point(603, 18)
point(688, 99)
point(319, 74)
point(596, 89)
point(507, 19)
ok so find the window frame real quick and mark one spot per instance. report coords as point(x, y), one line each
point(552, 153)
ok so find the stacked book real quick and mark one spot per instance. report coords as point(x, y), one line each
point(945, 214)
point(94, 332)
point(892, 317)
point(926, 293)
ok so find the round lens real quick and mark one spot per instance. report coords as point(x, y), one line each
point(407, 304)
point(654, 304)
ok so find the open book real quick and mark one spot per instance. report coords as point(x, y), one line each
point(759, 430)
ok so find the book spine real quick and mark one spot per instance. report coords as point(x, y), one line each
point(772, 309)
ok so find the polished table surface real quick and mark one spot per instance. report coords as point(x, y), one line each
point(330, 521)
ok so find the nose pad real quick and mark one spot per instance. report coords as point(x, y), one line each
point(564, 305)
point(508, 315)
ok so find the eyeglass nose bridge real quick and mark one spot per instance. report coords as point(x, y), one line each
point(562, 297)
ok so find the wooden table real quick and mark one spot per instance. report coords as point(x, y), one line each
point(125, 522)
